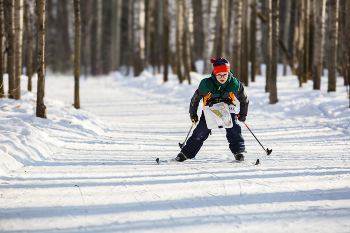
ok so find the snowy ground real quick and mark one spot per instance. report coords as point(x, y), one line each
point(94, 169)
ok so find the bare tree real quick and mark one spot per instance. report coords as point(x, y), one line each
point(130, 36)
point(10, 50)
point(332, 44)
point(236, 48)
point(179, 40)
point(186, 41)
point(268, 56)
point(29, 46)
point(274, 60)
point(139, 40)
point(2, 35)
point(116, 19)
point(245, 44)
point(253, 40)
point(286, 26)
point(77, 45)
point(318, 43)
point(211, 34)
point(347, 47)
point(40, 106)
point(18, 48)
point(166, 25)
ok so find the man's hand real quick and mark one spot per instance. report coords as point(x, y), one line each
point(242, 118)
point(194, 118)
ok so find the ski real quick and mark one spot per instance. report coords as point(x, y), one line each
point(233, 161)
point(165, 161)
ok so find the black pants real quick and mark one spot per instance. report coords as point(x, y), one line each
point(201, 133)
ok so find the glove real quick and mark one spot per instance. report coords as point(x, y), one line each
point(242, 118)
point(194, 118)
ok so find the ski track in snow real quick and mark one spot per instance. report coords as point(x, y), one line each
point(110, 182)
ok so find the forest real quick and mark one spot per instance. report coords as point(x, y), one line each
point(94, 37)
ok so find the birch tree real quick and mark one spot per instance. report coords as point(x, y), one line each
point(274, 60)
point(2, 36)
point(40, 106)
point(332, 44)
point(318, 43)
point(237, 31)
point(11, 57)
point(29, 46)
point(138, 36)
point(77, 45)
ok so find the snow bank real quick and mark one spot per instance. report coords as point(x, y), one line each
point(23, 137)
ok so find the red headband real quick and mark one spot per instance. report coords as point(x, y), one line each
point(223, 68)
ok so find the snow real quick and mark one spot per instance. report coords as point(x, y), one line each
point(94, 169)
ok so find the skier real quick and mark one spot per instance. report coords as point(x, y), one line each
point(220, 87)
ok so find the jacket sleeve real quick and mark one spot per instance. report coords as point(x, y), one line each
point(197, 96)
point(243, 100)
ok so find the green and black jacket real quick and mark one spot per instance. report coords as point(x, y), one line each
point(212, 92)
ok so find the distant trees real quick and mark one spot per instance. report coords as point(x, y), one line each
point(135, 35)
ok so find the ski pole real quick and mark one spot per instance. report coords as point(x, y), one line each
point(268, 152)
point(182, 144)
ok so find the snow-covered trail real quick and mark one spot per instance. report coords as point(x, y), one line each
point(111, 183)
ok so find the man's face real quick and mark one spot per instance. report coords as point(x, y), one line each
point(222, 77)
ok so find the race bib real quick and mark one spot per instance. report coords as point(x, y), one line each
point(218, 116)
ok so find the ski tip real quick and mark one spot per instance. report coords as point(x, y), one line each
point(157, 160)
point(257, 162)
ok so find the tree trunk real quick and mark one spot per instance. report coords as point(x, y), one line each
point(139, 42)
point(77, 44)
point(300, 40)
point(130, 60)
point(347, 45)
point(237, 39)
point(198, 17)
point(312, 36)
point(332, 44)
point(253, 40)
point(210, 39)
point(187, 42)
point(306, 48)
point(286, 32)
point(40, 106)
point(245, 44)
point(268, 44)
point(116, 18)
point(2, 35)
point(29, 46)
point(318, 43)
point(179, 40)
point(18, 48)
point(274, 60)
point(11, 48)
point(166, 39)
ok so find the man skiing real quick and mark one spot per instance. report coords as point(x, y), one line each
point(221, 87)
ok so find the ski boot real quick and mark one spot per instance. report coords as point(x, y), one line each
point(239, 156)
point(181, 157)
